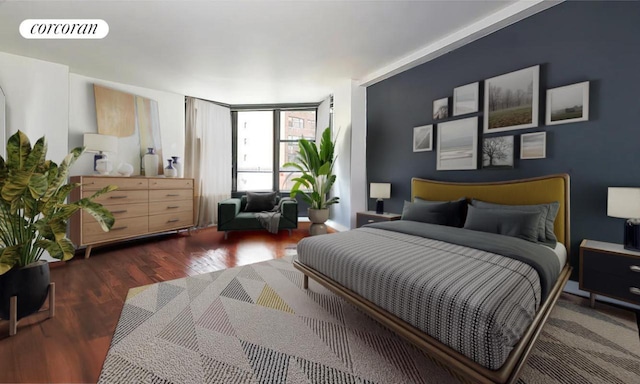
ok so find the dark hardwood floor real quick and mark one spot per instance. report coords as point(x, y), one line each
point(90, 294)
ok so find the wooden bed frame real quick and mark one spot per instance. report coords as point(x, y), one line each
point(527, 191)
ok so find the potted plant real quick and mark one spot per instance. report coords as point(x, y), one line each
point(314, 185)
point(33, 219)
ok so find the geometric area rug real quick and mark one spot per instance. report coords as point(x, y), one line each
point(255, 324)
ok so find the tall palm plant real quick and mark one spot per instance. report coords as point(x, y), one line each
point(316, 165)
point(33, 212)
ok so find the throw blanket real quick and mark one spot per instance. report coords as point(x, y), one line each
point(475, 301)
point(270, 220)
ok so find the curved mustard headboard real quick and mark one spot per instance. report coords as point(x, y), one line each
point(537, 190)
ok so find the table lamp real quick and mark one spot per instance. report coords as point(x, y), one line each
point(101, 145)
point(625, 203)
point(380, 191)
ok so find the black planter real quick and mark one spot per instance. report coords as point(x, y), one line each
point(30, 284)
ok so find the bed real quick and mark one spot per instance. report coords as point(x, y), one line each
point(451, 291)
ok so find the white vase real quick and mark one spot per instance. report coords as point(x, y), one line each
point(151, 163)
point(104, 166)
point(177, 164)
point(125, 169)
point(170, 171)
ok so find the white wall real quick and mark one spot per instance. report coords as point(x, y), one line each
point(37, 101)
point(350, 126)
point(82, 119)
point(341, 212)
point(358, 150)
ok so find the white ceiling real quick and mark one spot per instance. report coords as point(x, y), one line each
point(241, 52)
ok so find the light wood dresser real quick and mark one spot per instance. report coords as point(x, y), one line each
point(140, 205)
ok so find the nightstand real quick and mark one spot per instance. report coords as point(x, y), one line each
point(368, 217)
point(610, 270)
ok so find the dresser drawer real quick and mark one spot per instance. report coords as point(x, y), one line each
point(167, 221)
point(611, 285)
point(171, 184)
point(170, 195)
point(161, 207)
point(121, 211)
point(619, 265)
point(96, 183)
point(93, 233)
point(120, 197)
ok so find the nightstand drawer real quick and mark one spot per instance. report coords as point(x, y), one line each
point(619, 265)
point(366, 219)
point(370, 217)
point(611, 285)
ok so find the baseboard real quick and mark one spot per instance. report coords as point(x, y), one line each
point(572, 287)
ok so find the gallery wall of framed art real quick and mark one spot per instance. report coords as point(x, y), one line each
point(572, 43)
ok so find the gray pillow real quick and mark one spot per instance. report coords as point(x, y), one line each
point(508, 222)
point(547, 218)
point(432, 214)
point(260, 201)
point(456, 210)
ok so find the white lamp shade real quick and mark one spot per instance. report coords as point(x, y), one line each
point(94, 142)
point(623, 202)
point(380, 190)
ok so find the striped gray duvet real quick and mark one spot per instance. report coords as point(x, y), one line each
point(476, 302)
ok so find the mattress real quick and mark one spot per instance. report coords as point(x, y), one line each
point(476, 302)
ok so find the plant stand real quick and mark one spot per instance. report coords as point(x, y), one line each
point(13, 309)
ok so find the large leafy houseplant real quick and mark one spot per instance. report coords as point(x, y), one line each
point(316, 165)
point(33, 211)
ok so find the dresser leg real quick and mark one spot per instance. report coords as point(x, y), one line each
point(87, 251)
point(592, 300)
point(13, 315)
point(305, 282)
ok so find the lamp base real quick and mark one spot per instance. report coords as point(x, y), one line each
point(631, 235)
point(379, 206)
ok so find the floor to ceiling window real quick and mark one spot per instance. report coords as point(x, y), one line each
point(264, 140)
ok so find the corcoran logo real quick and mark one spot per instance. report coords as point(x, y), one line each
point(64, 29)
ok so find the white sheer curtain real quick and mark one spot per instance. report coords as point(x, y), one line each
point(208, 157)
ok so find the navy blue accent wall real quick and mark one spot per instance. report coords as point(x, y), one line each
point(573, 42)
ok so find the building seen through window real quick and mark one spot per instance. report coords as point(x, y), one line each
point(294, 125)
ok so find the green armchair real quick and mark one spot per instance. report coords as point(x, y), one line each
point(232, 216)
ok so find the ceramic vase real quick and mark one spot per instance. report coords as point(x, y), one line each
point(151, 163)
point(170, 171)
point(177, 164)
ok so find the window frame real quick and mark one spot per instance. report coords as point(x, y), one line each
point(277, 140)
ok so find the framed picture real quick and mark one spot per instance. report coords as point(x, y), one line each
point(533, 145)
point(568, 104)
point(466, 99)
point(497, 152)
point(511, 100)
point(441, 108)
point(458, 144)
point(423, 138)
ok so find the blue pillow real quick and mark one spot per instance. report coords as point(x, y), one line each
point(432, 214)
point(456, 210)
point(548, 211)
point(508, 222)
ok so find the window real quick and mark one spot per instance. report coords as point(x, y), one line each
point(263, 142)
point(294, 130)
point(255, 151)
